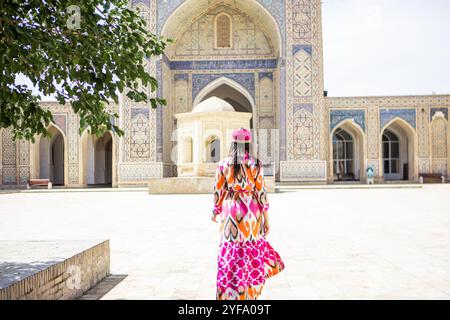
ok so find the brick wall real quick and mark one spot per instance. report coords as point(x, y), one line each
point(66, 280)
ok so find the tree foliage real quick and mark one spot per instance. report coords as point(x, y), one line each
point(86, 53)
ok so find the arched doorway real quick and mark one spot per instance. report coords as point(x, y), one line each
point(391, 156)
point(98, 164)
point(347, 152)
point(50, 157)
point(212, 150)
point(343, 156)
point(398, 151)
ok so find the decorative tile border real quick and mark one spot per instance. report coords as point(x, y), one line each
point(224, 64)
point(337, 116)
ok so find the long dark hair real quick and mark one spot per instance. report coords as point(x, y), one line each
point(238, 151)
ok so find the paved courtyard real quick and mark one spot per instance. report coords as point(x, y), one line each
point(337, 244)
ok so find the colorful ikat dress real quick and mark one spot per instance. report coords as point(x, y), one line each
point(245, 257)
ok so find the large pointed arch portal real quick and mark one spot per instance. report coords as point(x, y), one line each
point(176, 23)
point(230, 91)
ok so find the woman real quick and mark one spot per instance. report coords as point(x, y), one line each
point(245, 259)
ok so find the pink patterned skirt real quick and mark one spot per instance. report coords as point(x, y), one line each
point(243, 268)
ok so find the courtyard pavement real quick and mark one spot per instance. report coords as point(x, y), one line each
point(336, 243)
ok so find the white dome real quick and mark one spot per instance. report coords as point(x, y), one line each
point(213, 104)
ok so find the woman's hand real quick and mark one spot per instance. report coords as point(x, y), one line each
point(214, 218)
point(266, 228)
point(266, 223)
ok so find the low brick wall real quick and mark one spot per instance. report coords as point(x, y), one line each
point(64, 280)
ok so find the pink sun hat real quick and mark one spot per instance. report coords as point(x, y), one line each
point(242, 135)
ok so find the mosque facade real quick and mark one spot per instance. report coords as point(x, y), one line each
point(264, 58)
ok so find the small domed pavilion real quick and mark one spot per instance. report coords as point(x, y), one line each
point(204, 136)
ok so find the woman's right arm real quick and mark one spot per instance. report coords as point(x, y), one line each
point(220, 191)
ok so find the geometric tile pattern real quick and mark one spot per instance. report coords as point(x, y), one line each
point(304, 170)
point(423, 124)
point(302, 71)
point(439, 138)
point(303, 131)
point(301, 19)
point(373, 134)
point(198, 41)
point(9, 153)
point(166, 7)
point(140, 146)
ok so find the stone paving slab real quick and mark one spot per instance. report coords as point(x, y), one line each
point(336, 243)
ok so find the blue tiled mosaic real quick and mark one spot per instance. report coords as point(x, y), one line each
point(199, 81)
point(338, 116)
point(387, 115)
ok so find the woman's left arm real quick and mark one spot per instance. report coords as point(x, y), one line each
point(261, 189)
point(261, 194)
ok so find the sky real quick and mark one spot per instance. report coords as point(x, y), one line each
point(386, 47)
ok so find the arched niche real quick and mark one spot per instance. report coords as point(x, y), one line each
point(439, 144)
point(212, 149)
point(401, 165)
point(97, 160)
point(49, 157)
point(347, 152)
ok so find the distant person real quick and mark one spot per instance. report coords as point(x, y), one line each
point(370, 175)
point(246, 259)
